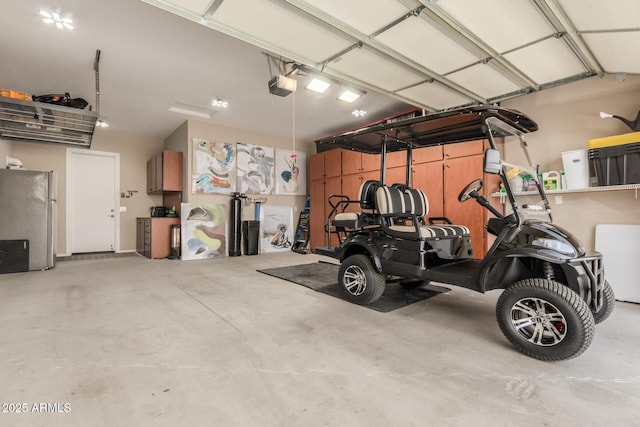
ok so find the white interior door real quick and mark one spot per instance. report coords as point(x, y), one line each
point(93, 203)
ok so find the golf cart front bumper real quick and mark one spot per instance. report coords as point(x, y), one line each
point(586, 276)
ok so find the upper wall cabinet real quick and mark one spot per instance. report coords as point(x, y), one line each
point(326, 164)
point(354, 162)
point(164, 172)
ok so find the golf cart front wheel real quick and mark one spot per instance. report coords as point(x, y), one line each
point(359, 280)
point(545, 319)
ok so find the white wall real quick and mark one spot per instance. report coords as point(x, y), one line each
point(568, 117)
point(5, 150)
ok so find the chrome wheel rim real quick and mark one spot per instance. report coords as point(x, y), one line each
point(538, 321)
point(354, 280)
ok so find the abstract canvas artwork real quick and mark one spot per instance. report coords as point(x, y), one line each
point(255, 169)
point(276, 230)
point(203, 229)
point(291, 172)
point(213, 167)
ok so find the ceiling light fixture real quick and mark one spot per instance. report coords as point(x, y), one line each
point(318, 85)
point(101, 123)
point(219, 103)
point(349, 95)
point(55, 18)
point(358, 112)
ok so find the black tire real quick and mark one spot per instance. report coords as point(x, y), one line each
point(609, 301)
point(545, 319)
point(359, 280)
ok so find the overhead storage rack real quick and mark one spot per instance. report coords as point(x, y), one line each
point(32, 121)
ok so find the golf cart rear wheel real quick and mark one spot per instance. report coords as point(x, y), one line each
point(545, 319)
point(359, 280)
point(609, 300)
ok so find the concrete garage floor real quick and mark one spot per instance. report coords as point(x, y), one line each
point(138, 342)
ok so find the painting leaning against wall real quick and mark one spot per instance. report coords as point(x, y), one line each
point(214, 167)
point(276, 229)
point(204, 231)
point(255, 169)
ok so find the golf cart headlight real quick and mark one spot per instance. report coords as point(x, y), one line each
point(555, 245)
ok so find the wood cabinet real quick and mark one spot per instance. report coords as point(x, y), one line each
point(429, 178)
point(325, 164)
point(464, 149)
point(325, 179)
point(320, 209)
point(164, 172)
point(354, 162)
point(153, 236)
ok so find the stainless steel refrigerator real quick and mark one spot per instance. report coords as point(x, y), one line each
point(27, 213)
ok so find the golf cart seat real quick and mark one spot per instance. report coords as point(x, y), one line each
point(366, 200)
point(399, 204)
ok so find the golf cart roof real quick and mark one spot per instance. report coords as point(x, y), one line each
point(434, 129)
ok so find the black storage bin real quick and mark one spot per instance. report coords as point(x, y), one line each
point(617, 165)
point(250, 237)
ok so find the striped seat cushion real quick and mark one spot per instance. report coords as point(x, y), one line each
point(395, 200)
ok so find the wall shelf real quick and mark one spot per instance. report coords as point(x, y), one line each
point(40, 122)
point(634, 187)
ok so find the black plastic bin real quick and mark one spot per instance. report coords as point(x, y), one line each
point(618, 164)
point(250, 237)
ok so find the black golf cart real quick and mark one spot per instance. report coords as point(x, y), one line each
point(554, 292)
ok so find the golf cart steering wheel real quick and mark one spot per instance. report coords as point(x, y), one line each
point(465, 194)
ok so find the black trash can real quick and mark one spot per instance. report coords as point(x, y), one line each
point(250, 237)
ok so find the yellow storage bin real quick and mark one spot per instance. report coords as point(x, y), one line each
point(625, 138)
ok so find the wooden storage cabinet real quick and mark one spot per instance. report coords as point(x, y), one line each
point(325, 180)
point(153, 236)
point(354, 162)
point(164, 172)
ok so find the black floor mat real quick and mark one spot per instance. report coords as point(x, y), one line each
point(323, 277)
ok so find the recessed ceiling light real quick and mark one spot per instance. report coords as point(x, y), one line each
point(318, 85)
point(349, 96)
point(358, 112)
point(101, 123)
point(55, 18)
point(219, 103)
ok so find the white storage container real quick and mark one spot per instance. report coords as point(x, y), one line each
point(576, 168)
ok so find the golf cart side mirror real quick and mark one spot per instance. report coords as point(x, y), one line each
point(492, 162)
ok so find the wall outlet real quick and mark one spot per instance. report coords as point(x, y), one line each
point(123, 208)
point(558, 200)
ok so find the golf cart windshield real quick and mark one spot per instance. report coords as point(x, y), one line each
point(520, 176)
